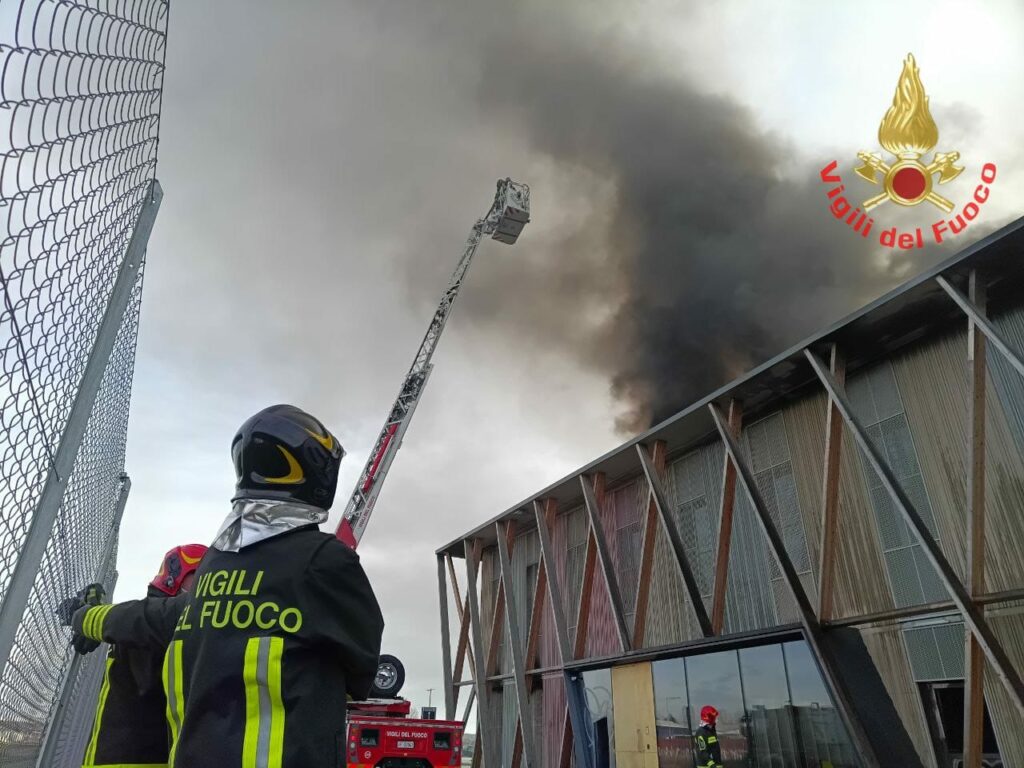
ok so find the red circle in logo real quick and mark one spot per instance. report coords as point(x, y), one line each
point(909, 183)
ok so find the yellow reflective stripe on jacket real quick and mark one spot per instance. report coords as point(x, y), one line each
point(129, 765)
point(276, 702)
point(712, 739)
point(90, 750)
point(175, 693)
point(92, 626)
point(263, 744)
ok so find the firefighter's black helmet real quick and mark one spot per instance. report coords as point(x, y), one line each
point(284, 453)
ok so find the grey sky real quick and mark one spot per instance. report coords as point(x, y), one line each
point(323, 162)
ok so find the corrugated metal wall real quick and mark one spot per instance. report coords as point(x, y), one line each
point(509, 714)
point(488, 581)
point(876, 401)
point(934, 380)
point(553, 715)
point(622, 523)
point(571, 540)
point(1008, 624)
point(524, 560)
point(757, 596)
point(694, 485)
point(860, 582)
point(602, 636)
point(885, 644)
point(861, 585)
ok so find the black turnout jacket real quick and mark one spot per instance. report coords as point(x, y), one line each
point(709, 751)
point(130, 726)
point(261, 653)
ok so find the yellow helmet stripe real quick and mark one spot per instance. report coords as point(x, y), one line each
point(295, 474)
point(326, 441)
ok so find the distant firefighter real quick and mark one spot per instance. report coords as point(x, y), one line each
point(709, 751)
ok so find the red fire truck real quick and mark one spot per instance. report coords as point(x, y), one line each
point(382, 735)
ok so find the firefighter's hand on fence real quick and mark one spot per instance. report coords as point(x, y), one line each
point(66, 610)
point(86, 625)
point(90, 595)
point(94, 594)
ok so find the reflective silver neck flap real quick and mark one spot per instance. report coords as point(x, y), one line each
point(253, 520)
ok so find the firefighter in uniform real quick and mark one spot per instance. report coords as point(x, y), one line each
point(130, 725)
point(281, 624)
point(709, 751)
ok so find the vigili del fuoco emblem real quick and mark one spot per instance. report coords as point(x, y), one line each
point(909, 133)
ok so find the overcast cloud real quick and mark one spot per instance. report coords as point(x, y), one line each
point(324, 161)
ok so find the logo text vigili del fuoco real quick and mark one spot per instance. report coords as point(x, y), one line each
point(908, 133)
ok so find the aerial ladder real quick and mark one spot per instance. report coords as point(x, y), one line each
point(508, 214)
point(380, 730)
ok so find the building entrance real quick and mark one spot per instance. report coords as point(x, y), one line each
point(944, 707)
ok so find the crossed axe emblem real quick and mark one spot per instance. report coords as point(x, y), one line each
point(944, 164)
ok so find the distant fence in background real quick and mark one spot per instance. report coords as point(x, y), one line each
point(80, 92)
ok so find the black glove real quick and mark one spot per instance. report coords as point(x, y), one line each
point(93, 594)
point(79, 641)
point(79, 606)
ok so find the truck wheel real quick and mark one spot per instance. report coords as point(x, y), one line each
point(390, 678)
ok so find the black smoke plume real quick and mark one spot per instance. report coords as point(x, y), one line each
point(709, 245)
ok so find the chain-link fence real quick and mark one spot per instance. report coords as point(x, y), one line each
point(80, 89)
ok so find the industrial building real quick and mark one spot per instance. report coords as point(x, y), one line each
point(829, 550)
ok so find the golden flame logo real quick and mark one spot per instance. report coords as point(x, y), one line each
point(909, 132)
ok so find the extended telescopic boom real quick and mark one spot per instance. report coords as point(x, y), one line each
point(509, 213)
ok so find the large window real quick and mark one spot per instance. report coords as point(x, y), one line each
point(769, 714)
point(774, 709)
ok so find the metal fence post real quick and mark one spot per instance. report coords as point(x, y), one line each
point(58, 723)
point(16, 597)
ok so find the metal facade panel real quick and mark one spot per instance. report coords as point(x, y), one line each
point(860, 585)
point(551, 720)
point(625, 532)
point(878, 403)
point(547, 645)
point(509, 715)
point(693, 484)
point(756, 596)
point(570, 539)
point(667, 606)
point(537, 720)
point(1008, 624)
point(525, 561)
point(696, 482)
point(934, 377)
point(888, 651)
point(602, 634)
point(749, 602)
point(1009, 384)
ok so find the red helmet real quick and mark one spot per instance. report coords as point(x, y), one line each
point(709, 714)
point(178, 565)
